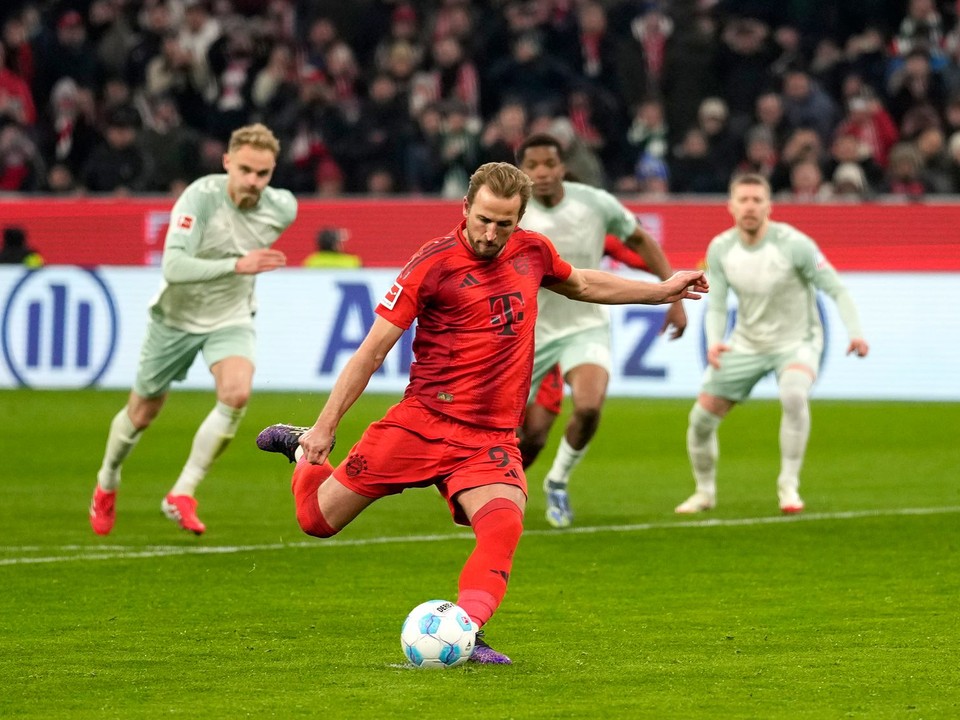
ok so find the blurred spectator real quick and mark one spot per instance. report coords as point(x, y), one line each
point(233, 78)
point(921, 29)
point(934, 161)
point(848, 150)
point(768, 114)
point(197, 34)
point(915, 84)
point(802, 145)
point(596, 46)
point(71, 135)
point(691, 169)
point(953, 148)
point(275, 85)
point(60, 181)
point(452, 76)
point(653, 177)
point(331, 250)
point(760, 155)
point(712, 119)
point(641, 56)
point(459, 150)
point(871, 125)
point(322, 36)
point(848, 183)
point(21, 57)
point(16, 251)
point(805, 104)
point(904, 173)
point(111, 35)
point(21, 169)
point(646, 135)
point(526, 73)
point(404, 33)
point(582, 163)
point(806, 184)
point(16, 100)
point(172, 147)
point(70, 55)
point(377, 138)
point(503, 134)
point(743, 63)
point(155, 24)
point(118, 165)
point(424, 166)
point(689, 72)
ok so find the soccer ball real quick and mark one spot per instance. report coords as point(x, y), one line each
point(437, 634)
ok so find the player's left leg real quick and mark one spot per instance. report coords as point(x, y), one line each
point(234, 378)
point(794, 383)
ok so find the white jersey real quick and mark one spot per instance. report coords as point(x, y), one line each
point(775, 282)
point(201, 290)
point(577, 226)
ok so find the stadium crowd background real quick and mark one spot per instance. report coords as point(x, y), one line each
point(842, 99)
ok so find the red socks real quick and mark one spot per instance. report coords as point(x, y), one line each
point(306, 479)
point(483, 581)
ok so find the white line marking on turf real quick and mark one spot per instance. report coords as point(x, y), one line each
point(123, 552)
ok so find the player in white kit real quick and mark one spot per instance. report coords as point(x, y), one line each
point(577, 218)
point(220, 235)
point(775, 271)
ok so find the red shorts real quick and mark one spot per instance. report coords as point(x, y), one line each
point(413, 446)
point(550, 393)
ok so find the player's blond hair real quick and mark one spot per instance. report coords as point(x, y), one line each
point(256, 136)
point(504, 180)
point(749, 179)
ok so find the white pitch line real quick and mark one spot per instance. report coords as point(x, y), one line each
point(122, 552)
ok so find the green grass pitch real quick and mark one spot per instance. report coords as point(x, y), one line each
point(849, 611)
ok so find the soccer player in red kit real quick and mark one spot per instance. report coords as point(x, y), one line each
point(474, 296)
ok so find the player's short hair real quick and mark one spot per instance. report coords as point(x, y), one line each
point(749, 179)
point(539, 140)
point(257, 136)
point(504, 180)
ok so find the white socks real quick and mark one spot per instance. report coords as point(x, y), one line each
point(121, 440)
point(563, 464)
point(211, 439)
point(794, 426)
point(703, 448)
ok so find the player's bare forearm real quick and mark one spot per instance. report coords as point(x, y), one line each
point(350, 384)
point(606, 289)
point(649, 249)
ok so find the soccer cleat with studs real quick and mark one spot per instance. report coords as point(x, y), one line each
point(698, 502)
point(283, 439)
point(103, 510)
point(558, 512)
point(483, 654)
point(182, 509)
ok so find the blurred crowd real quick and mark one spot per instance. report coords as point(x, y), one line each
point(844, 99)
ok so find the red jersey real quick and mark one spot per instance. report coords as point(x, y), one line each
point(475, 317)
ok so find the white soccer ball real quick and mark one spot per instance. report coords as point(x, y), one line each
point(437, 634)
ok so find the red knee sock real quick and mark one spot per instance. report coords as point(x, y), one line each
point(483, 581)
point(306, 479)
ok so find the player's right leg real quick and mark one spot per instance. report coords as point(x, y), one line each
point(588, 388)
point(540, 415)
point(703, 450)
point(125, 430)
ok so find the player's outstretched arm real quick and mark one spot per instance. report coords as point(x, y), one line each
point(318, 441)
point(260, 260)
point(604, 288)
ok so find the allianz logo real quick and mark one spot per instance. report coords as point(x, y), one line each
point(58, 328)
